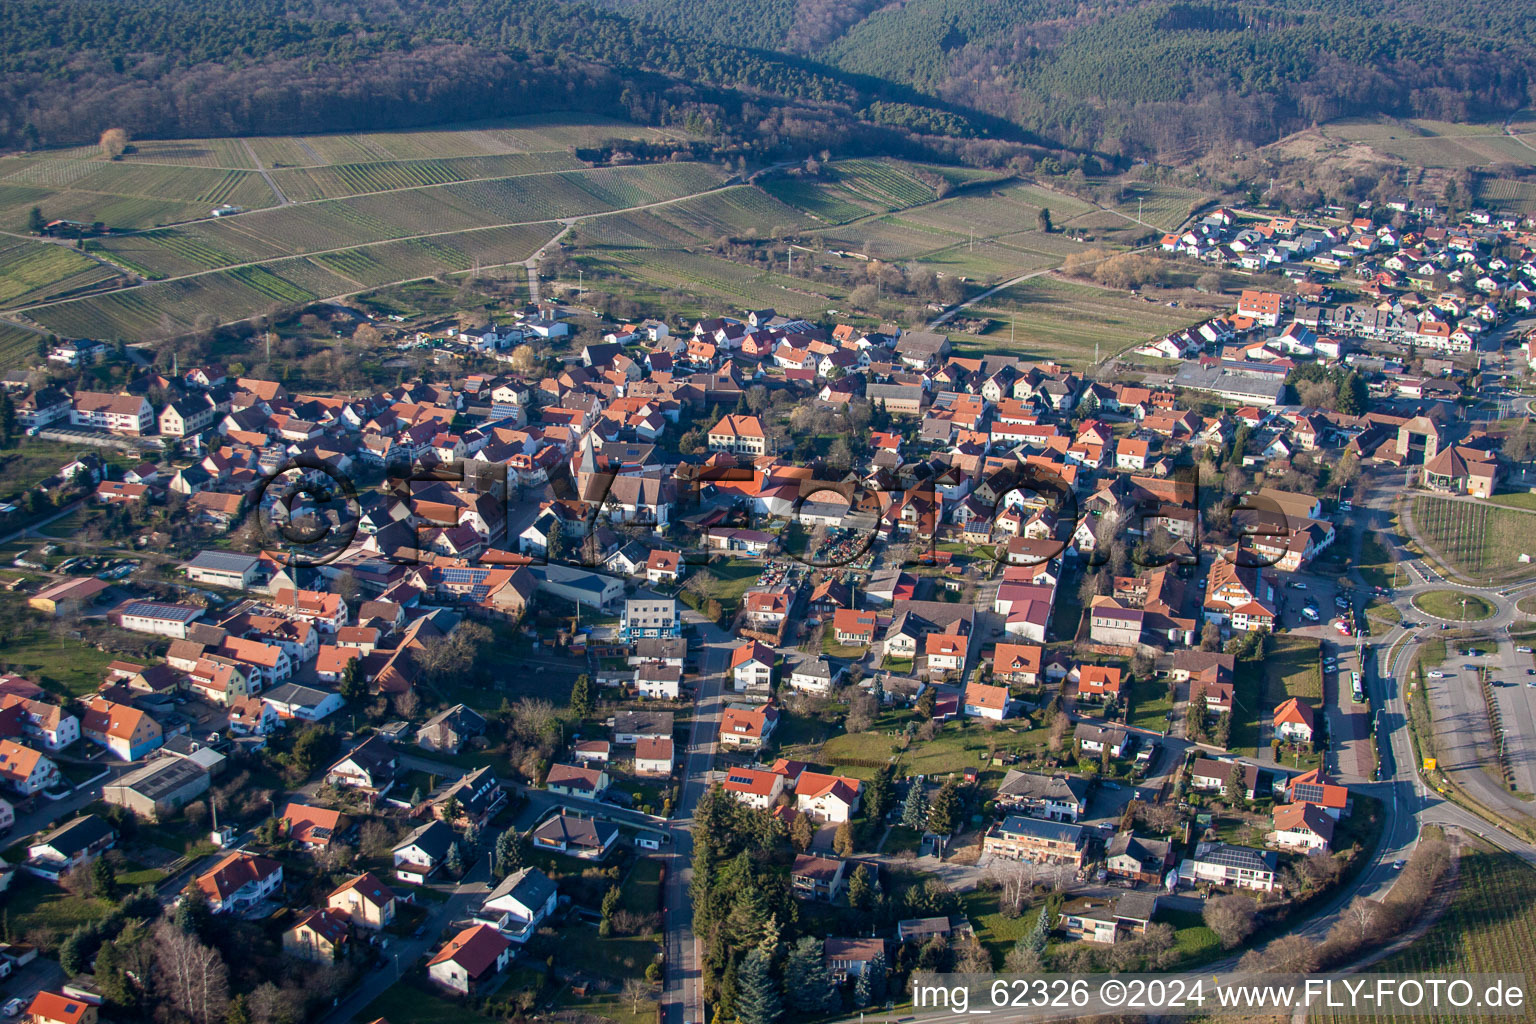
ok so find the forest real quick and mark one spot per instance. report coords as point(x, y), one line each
point(977, 80)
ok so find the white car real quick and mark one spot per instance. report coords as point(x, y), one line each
point(1437, 674)
point(13, 1007)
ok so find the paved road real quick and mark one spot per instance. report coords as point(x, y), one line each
point(404, 952)
point(681, 1001)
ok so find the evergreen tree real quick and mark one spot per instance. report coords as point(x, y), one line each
point(36, 222)
point(944, 815)
point(238, 1012)
point(416, 797)
point(757, 993)
point(801, 833)
point(582, 704)
point(453, 863)
point(863, 988)
point(875, 972)
point(508, 856)
point(7, 418)
point(861, 891)
point(472, 835)
point(1043, 219)
point(611, 900)
point(807, 982)
point(352, 687)
point(914, 812)
point(926, 702)
point(103, 880)
point(74, 951)
point(842, 840)
point(192, 912)
point(881, 793)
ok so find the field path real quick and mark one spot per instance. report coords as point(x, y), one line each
point(261, 169)
point(532, 262)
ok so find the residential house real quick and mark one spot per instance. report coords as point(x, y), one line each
point(653, 756)
point(817, 878)
point(757, 789)
point(57, 1008)
point(586, 838)
point(1294, 721)
point(569, 780)
point(1035, 839)
point(851, 958)
point(747, 728)
point(239, 881)
point(371, 767)
point(1053, 797)
point(422, 852)
point(752, 666)
point(312, 828)
point(26, 771)
point(1237, 867)
point(519, 904)
point(470, 959)
point(126, 731)
point(830, 798)
point(319, 935)
point(364, 900)
point(984, 701)
point(1304, 827)
point(1135, 859)
point(73, 844)
point(447, 731)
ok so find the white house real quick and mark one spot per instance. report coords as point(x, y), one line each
point(752, 665)
point(519, 904)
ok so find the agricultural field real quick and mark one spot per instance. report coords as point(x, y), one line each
point(850, 189)
point(338, 181)
point(1161, 206)
point(1475, 539)
point(1508, 194)
point(18, 347)
point(713, 280)
point(1426, 143)
point(1490, 926)
point(36, 271)
point(1057, 319)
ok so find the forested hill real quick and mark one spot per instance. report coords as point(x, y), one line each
point(1123, 78)
point(173, 68)
point(1143, 77)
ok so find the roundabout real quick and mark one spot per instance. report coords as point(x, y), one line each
point(1453, 606)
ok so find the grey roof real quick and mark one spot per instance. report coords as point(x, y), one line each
point(1034, 786)
point(643, 722)
point(433, 838)
point(156, 610)
point(293, 693)
point(529, 886)
point(1231, 856)
point(223, 561)
point(1144, 851)
point(565, 828)
point(1136, 906)
point(160, 777)
point(74, 836)
point(1038, 828)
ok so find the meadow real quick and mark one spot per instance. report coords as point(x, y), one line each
point(1443, 144)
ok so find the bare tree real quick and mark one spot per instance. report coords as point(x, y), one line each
point(637, 990)
point(114, 143)
point(192, 976)
point(1232, 917)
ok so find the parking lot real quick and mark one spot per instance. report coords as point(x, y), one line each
point(1514, 693)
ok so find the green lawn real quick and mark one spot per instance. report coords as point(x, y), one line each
point(998, 934)
point(1383, 609)
point(60, 665)
point(1476, 539)
point(1150, 705)
point(1375, 562)
point(1194, 941)
point(1290, 668)
point(1525, 500)
point(833, 649)
point(39, 911)
point(405, 1001)
point(642, 889)
point(958, 745)
point(733, 576)
point(901, 666)
point(1453, 605)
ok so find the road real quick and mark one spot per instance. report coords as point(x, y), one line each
point(404, 952)
point(266, 175)
point(681, 1000)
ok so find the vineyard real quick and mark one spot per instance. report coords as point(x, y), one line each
point(335, 182)
point(1508, 194)
point(1055, 319)
point(1490, 927)
point(35, 271)
point(1161, 206)
point(1475, 539)
point(18, 347)
point(716, 281)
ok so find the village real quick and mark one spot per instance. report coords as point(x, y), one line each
point(437, 678)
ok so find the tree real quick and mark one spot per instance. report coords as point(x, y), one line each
point(1043, 220)
point(74, 951)
point(353, 687)
point(453, 862)
point(103, 880)
point(611, 900)
point(1210, 637)
point(7, 418)
point(37, 224)
point(870, 988)
point(582, 704)
point(842, 840)
point(1232, 917)
point(757, 992)
point(508, 854)
point(944, 815)
point(191, 977)
point(451, 809)
point(554, 546)
point(114, 143)
point(914, 811)
point(807, 982)
point(861, 890)
point(192, 911)
point(881, 792)
point(802, 833)
point(1237, 787)
point(926, 702)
